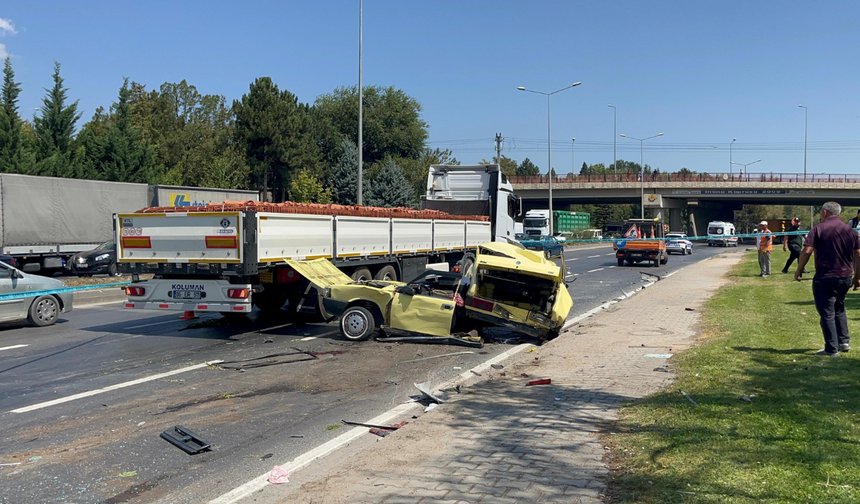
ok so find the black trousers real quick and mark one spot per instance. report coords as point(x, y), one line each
point(792, 256)
point(829, 295)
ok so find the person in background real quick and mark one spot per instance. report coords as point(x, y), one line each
point(793, 243)
point(837, 256)
point(765, 246)
point(854, 223)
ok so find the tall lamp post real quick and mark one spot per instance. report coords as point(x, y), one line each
point(614, 139)
point(747, 164)
point(549, 140)
point(360, 100)
point(572, 156)
point(805, 131)
point(642, 165)
point(730, 155)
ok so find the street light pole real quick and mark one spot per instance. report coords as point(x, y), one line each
point(642, 165)
point(359, 198)
point(614, 139)
point(805, 131)
point(747, 164)
point(549, 140)
point(730, 155)
point(573, 156)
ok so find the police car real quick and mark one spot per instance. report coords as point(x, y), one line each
point(678, 242)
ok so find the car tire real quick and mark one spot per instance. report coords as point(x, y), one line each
point(547, 254)
point(357, 323)
point(112, 271)
point(621, 262)
point(271, 301)
point(44, 311)
point(386, 273)
point(361, 274)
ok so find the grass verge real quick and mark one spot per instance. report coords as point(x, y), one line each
point(795, 438)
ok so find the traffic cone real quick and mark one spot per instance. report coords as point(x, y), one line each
point(188, 315)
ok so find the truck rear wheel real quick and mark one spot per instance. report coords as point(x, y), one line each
point(269, 300)
point(620, 261)
point(387, 273)
point(361, 274)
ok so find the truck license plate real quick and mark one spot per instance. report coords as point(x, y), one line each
point(184, 294)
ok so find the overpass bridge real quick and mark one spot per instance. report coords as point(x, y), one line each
point(707, 196)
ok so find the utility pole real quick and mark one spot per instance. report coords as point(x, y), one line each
point(499, 140)
point(359, 199)
point(573, 157)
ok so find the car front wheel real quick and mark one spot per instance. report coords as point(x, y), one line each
point(357, 323)
point(44, 311)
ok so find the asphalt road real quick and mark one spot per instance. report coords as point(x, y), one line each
point(76, 442)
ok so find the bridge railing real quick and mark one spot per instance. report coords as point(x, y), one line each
point(692, 177)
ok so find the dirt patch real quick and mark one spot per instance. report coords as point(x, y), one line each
point(73, 281)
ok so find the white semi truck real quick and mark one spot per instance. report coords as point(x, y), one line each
point(229, 260)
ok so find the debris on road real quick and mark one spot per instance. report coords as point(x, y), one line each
point(278, 476)
point(127, 474)
point(33, 459)
point(185, 439)
point(475, 372)
point(384, 431)
point(430, 407)
point(690, 309)
point(270, 360)
point(659, 356)
point(688, 397)
point(497, 366)
point(745, 398)
point(545, 381)
point(297, 436)
point(425, 391)
point(437, 356)
point(661, 369)
point(530, 350)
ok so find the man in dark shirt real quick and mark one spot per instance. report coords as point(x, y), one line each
point(792, 243)
point(837, 257)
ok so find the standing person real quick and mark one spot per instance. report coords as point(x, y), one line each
point(765, 246)
point(854, 223)
point(793, 243)
point(837, 256)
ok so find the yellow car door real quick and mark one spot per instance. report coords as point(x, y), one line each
point(421, 314)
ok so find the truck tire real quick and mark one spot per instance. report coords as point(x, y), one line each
point(44, 311)
point(269, 300)
point(664, 260)
point(620, 261)
point(386, 273)
point(357, 323)
point(361, 274)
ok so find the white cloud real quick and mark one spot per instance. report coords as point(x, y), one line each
point(3, 52)
point(7, 27)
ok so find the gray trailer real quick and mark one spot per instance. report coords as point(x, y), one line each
point(46, 220)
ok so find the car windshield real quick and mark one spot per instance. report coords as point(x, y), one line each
point(105, 246)
point(535, 222)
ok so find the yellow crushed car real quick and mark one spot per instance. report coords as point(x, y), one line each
point(507, 286)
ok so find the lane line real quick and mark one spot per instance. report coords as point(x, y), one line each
point(11, 347)
point(260, 482)
point(592, 257)
point(112, 387)
point(611, 253)
point(592, 271)
point(309, 338)
point(611, 267)
point(574, 259)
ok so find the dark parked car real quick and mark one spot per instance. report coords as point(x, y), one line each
point(7, 259)
point(100, 260)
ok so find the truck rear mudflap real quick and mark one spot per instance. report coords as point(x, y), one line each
point(190, 295)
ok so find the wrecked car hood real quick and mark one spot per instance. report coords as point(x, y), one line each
point(320, 272)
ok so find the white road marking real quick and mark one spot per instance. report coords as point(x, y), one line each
point(11, 347)
point(308, 338)
point(592, 257)
point(592, 271)
point(260, 482)
point(611, 267)
point(112, 387)
point(611, 253)
point(574, 259)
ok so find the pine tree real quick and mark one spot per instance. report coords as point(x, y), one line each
point(55, 128)
point(344, 176)
point(10, 121)
point(390, 188)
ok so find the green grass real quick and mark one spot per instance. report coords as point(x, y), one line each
point(799, 438)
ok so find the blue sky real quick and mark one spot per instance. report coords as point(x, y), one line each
point(702, 72)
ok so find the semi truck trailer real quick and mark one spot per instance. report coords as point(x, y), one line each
point(231, 257)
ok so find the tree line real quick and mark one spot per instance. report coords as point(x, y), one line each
point(267, 140)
